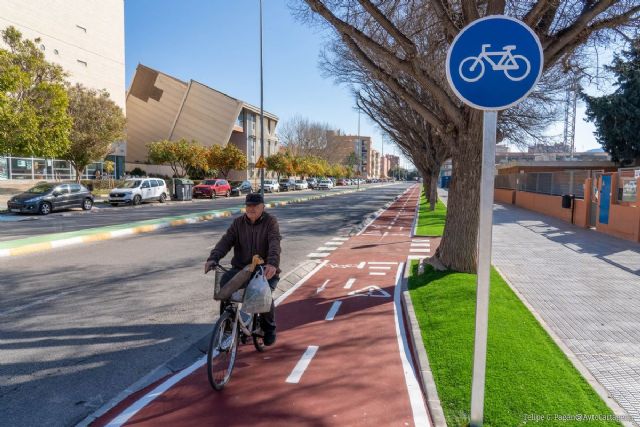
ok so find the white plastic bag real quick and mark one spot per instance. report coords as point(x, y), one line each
point(257, 296)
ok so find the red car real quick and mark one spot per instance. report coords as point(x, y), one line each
point(211, 188)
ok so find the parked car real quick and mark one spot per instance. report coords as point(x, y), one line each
point(271, 186)
point(313, 183)
point(46, 197)
point(341, 181)
point(138, 190)
point(325, 184)
point(287, 184)
point(212, 187)
point(240, 187)
point(301, 184)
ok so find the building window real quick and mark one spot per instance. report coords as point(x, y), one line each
point(83, 63)
point(81, 28)
point(240, 119)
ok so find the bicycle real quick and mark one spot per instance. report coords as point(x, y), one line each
point(508, 63)
point(233, 326)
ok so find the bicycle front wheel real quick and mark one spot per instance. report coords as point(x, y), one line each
point(223, 349)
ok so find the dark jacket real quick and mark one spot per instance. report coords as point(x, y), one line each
point(260, 238)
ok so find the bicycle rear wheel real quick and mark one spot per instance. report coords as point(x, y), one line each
point(258, 341)
point(223, 349)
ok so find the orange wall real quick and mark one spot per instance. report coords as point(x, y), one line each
point(543, 203)
point(504, 196)
point(624, 222)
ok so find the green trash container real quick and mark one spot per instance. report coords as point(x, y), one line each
point(182, 189)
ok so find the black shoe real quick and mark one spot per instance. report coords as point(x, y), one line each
point(269, 338)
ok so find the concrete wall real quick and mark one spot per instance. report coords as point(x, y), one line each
point(85, 37)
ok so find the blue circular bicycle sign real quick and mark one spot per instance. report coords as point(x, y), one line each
point(494, 62)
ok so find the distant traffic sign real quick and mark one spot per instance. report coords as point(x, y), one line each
point(494, 62)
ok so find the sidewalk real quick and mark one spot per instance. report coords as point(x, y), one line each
point(341, 356)
point(586, 287)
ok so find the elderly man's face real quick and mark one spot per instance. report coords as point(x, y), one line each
point(254, 211)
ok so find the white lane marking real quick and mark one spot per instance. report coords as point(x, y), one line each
point(323, 287)
point(424, 245)
point(301, 366)
point(361, 265)
point(120, 233)
point(385, 234)
point(333, 310)
point(374, 273)
point(66, 242)
point(326, 248)
point(334, 243)
point(419, 250)
point(349, 283)
point(147, 398)
point(401, 228)
point(389, 228)
point(343, 239)
point(370, 291)
point(5, 252)
point(381, 263)
point(318, 254)
point(421, 241)
point(420, 416)
point(373, 267)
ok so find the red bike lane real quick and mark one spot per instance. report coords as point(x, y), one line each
point(340, 358)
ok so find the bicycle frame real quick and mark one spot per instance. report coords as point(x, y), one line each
point(505, 55)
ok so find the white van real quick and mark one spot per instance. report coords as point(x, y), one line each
point(138, 190)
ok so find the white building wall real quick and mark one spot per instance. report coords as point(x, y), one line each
point(86, 37)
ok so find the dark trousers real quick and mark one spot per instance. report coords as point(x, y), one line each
point(268, 319)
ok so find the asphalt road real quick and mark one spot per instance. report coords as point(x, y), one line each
point(16, 226)
point(80, 324)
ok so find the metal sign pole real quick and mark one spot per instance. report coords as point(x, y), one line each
point(484, 266)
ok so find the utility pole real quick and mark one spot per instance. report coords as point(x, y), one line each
point(261, 109)
point(359, 156)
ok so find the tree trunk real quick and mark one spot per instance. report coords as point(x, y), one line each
point(457, 250)
point(433, 188)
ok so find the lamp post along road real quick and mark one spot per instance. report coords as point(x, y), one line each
point(261, 109)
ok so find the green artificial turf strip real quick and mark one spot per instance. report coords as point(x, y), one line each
point(430, 223)
point(526, 371)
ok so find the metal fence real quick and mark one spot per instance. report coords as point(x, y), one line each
point(20, 168)
point(552, 183)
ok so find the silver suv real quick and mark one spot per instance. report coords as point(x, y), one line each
point(138, 190)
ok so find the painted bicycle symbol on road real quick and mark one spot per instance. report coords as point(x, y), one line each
point(515, 67)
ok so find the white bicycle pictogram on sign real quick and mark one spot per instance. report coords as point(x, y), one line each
point(472, 68)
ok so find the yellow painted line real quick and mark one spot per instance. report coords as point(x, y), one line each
point(29, 249)
point(97, 237)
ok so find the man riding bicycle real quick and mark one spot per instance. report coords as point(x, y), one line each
point(254, 233)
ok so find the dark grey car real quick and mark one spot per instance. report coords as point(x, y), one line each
point(46, 197)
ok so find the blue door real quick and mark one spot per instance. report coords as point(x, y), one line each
point(605, 196)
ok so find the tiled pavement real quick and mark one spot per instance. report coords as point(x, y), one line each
point(585, 285)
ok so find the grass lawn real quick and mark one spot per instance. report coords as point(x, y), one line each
point(526, 372)
point(430, 223)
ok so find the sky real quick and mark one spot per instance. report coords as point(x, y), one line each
point(216, 42)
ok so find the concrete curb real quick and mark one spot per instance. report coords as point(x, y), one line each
point(195, 351)
point(419, 354)
point(617, 410)
point(106, 233)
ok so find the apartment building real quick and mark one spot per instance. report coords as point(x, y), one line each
point(85, 37)
point(160, 106)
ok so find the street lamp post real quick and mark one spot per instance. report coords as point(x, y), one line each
point(261, 110)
